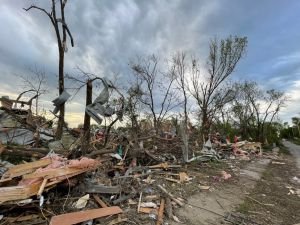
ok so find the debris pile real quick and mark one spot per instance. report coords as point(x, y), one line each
point(126, 180)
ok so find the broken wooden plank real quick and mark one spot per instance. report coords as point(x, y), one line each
point(148, 210)
point(53, 173)
point(62, 178)
point(164, 165)
point(161, 210)
point(18, 192)
point(26, 168)
point(77, 217)
point(99, 201)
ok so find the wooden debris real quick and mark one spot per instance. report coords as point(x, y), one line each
point(53, 173)
point(18, 192)
point(161, 212)
point(183, 177)
point(140, 199)
point(77, 217)
point(170, 195)
point(118, 220)
point(42, 187)
point(26, 168)
point(173, 180)
point(40, 175)
point(99, 201)
point(1, 147)
point(148, 210)
point(151, 197)
point(164, 166)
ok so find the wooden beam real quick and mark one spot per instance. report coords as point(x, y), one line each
point(77, 217)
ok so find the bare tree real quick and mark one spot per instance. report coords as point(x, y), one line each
point(35, 83)
point(180, 73)
point(179, 70)
point(159, 94)
point(61, 30)
point(222, 60)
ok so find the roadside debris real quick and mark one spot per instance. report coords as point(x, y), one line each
point(123, 181)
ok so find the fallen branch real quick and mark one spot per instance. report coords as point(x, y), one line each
point(170, 195)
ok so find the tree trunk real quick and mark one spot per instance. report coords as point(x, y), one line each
point(61, 119)
point(205, 126)
point(87, 119)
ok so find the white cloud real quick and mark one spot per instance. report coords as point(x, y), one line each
point(293, 105)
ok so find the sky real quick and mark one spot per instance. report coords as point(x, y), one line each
point(109, 34)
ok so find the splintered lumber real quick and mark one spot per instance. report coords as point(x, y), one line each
point(183, 177)
point(164, 166)
point(18, 192)
point(170, 195)
point(26, 168)
point(99, 201)
point(42, 187)
point(173, 180)
point(42, 174)
point(78, 217)
point(148, 210)
point(140, 199)
point(161, 212)
point(53, 173)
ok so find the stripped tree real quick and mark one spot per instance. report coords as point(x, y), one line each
point(61, 30)
point(180, 73)
point(209, 94)
point(159, 95)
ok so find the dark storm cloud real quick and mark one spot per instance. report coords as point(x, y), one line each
point(108, 34)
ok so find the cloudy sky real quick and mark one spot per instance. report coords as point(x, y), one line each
point(108, 34)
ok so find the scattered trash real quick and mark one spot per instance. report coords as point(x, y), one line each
point(81, 189)
point(225, 175)
point(204, 187)
point(81, 203)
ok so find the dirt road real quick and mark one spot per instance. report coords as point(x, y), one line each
point(265, 191)
point(222, 199)
point(294, 150)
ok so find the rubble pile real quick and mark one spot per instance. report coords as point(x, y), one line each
point(129, 181)
point(135, 189)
